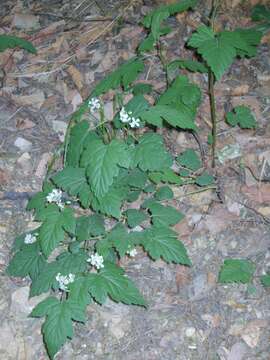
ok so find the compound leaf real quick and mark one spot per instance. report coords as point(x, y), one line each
point(135, 217)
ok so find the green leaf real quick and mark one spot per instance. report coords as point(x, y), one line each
point(204, 179)
point(45, 280)
point(123, 76)
point(27, 261)
point(265, 280)
point(260, 12)
point(190, 159)
point(87, 226)
point(242, 116)
point(236, 270)
point(217, 51)
point(135, 217)
point(164, 215)
point(137, 105)
point(191, 65)
point(110, 281)
point(79, 291)
point(38, 201)
point(10, 42)
point(164, 193)
point(44, 306)
point(141, 88)
point(110, 204)
point(103, 161)
point(118, 237)
point(52, 229)
point(168, 175)
point(147, 44)
point(162, 242)
point(245, 41)
point(137, 178)
point(78, 135)
point(58, 325)
point(150, 153)
point(72, 180)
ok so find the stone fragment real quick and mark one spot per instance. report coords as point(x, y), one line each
point(23, 144)
point(26, 21)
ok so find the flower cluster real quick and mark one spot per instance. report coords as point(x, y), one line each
point(96, 260)
point(126, 117)
point(30, 239)
point(64, 280)
point(132, 252)
point(55, 196)
point(94, 104)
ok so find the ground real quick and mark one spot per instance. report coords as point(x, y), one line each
point(190, 315)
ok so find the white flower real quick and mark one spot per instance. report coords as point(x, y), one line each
point(94, 104)
point(132, 252)
point(135, 123)
point(96, 260)
point(30, 239)
point(55, 196)
point(124, 116)
point(64, 280)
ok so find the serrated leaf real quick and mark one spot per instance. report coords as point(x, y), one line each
point(118, 237)
point(135, 217)
point(151, 154)
point(164, 215)
point(236, 270)
point(217, 51)
point(147, 44)
point(162, 242)
point(79, 291)
point(137, 178)
point(10, 42)
point(141, 88)
point(110, 281)
point(38, 201)
point(204, 179)
point(123, 76)
point(78, 135)
point(87, 226)
point(27, 261)
point(190, 159)
point(164, 193)
point(111, 203)
point(44, 306)
point(102, 162)
point(191, 65)
point(265, 280)
point(57, 328)
point(53, 226)
point(242, 116)
point(168, 175)
point(46, 278)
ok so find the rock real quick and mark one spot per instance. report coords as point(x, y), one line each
point(60, 127)
point(23, 144)
point(42, 165)
point(229, 152)
point(108, 110)
point(251, 333)
point(21, 305)
point(24, 162)
point(26, 21)
point(238, 351)
point(199, 287)
point(190, 332)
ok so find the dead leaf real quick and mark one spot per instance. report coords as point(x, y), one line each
point(4, 177)
point(240, 90)
point(42, 165)
point(23, 124)
point(257, 194)
point(76, 76)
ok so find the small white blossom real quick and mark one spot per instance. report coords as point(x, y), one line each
point(132, 252)
point(135, 123)
point(96, 260)
point(55, 196)
point(94, 104)
point(124, 116)
point(64, 280)
point(30, 239)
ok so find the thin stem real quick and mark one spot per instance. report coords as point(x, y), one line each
point(211, 82)
point(162, 60)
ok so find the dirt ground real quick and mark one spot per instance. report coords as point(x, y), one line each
point(190, 315)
